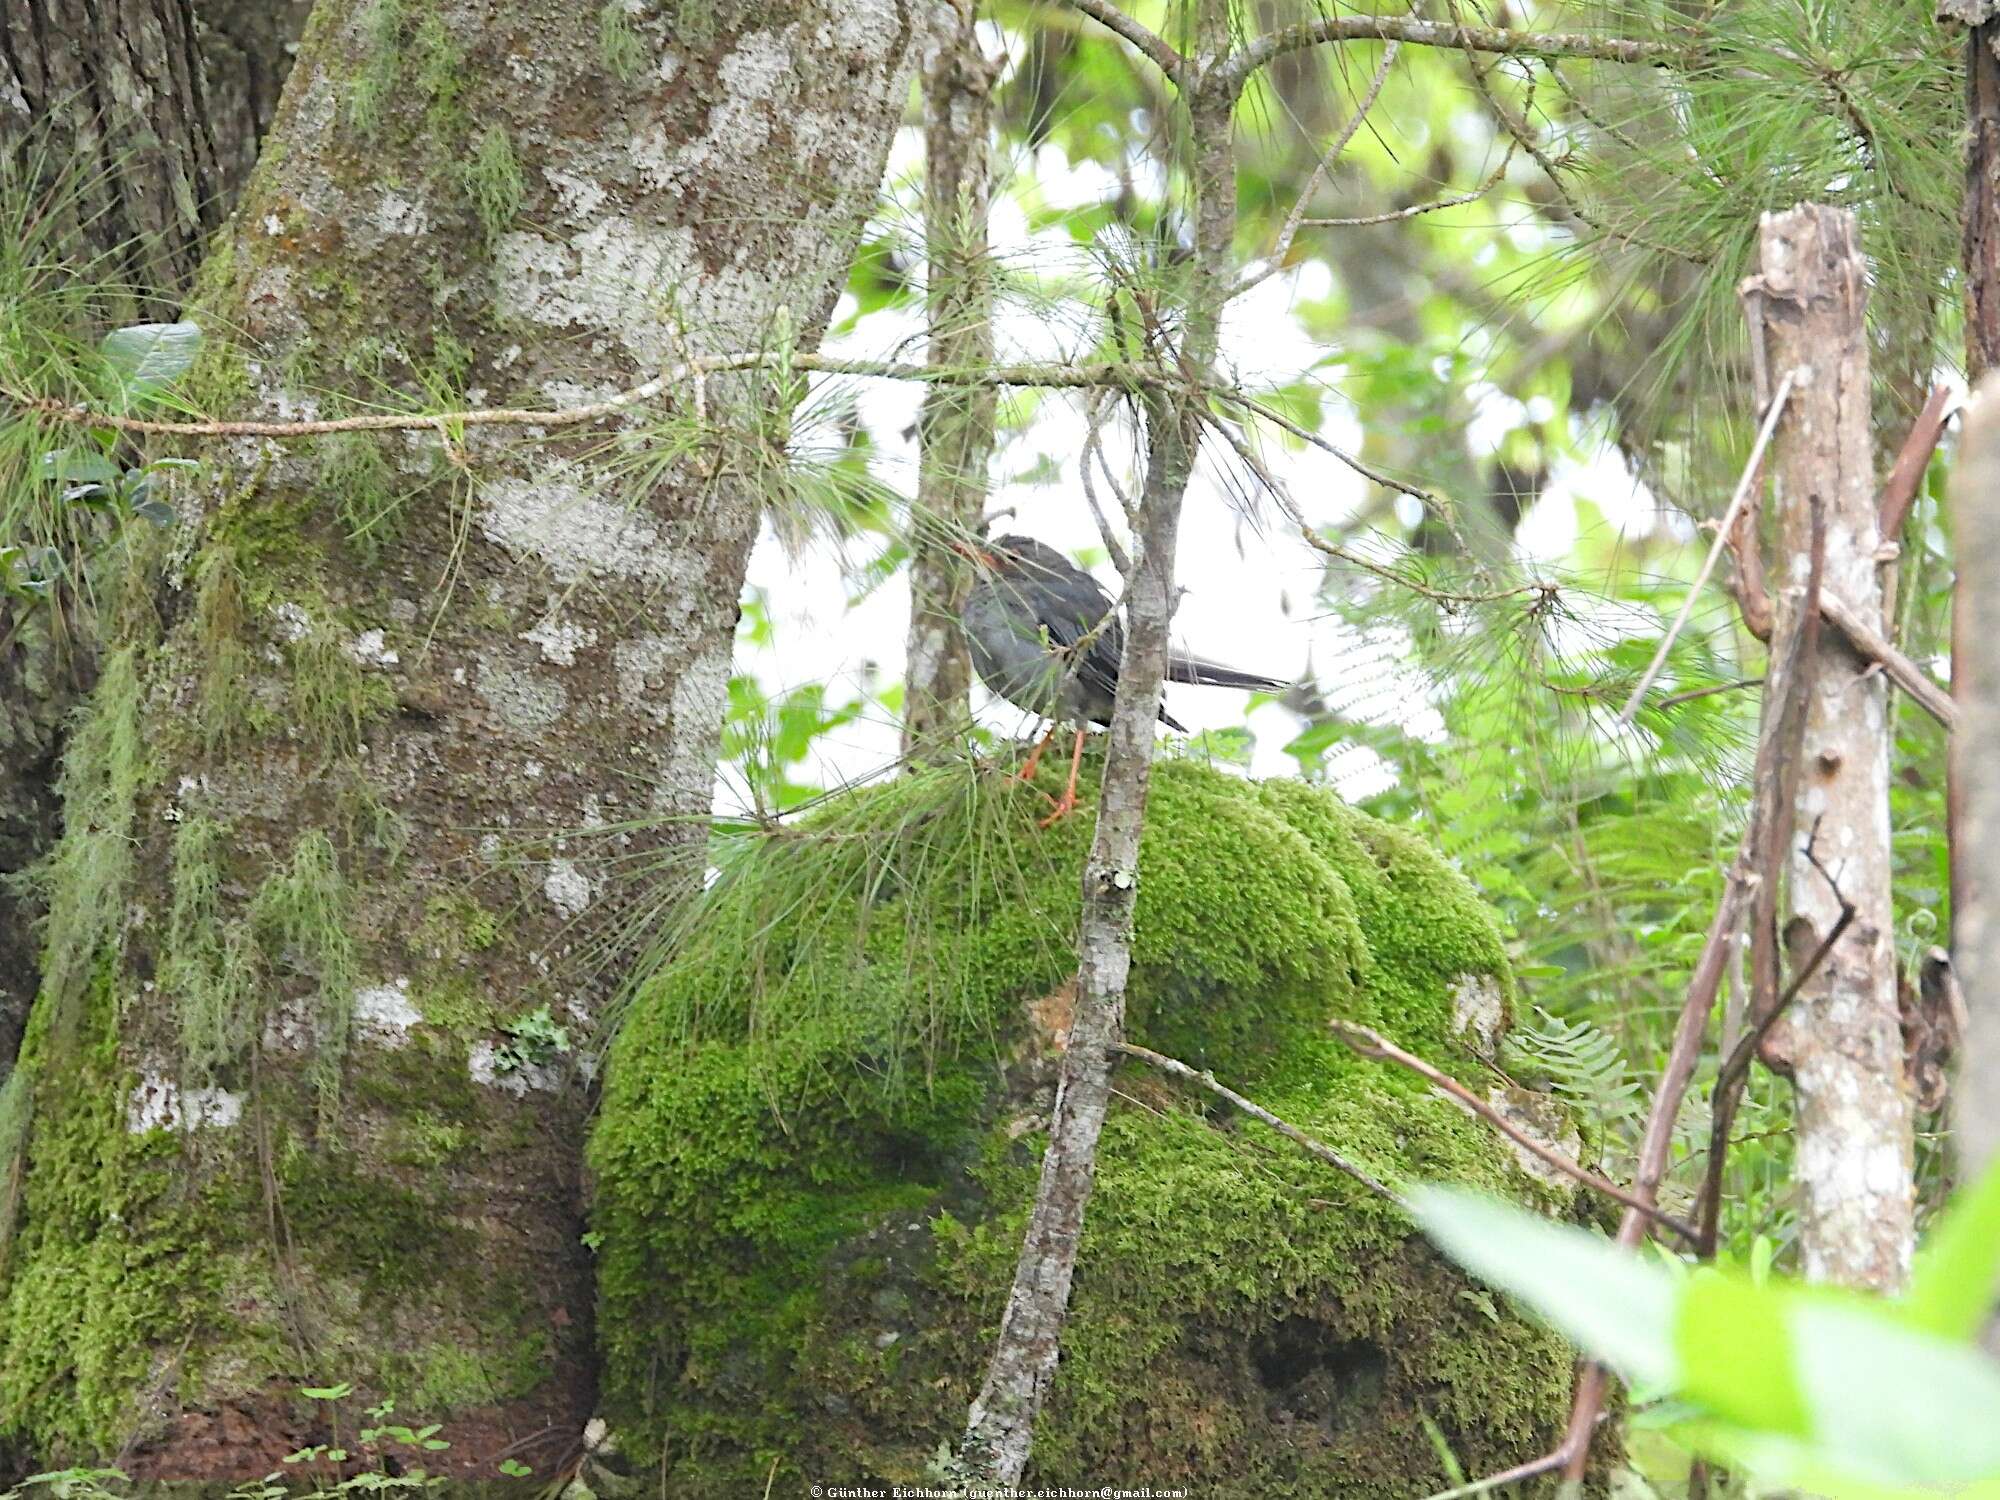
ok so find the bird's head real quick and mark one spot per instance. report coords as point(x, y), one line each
point(977, 553)
point(1007, 555)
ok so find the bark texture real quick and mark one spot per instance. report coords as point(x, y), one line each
point(1842, 1042)
point(1000, 1428)
point(957, 421)
point(346, 849)
point(108, 97)
point(1976, 686)
point(246, 54)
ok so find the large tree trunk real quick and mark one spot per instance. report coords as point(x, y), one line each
point(1975, 682)
point(343, 865)
point(108, 97)
point(107, 171)
point(1843, 1044)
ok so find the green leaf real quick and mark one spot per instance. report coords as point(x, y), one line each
point(1736, 1353)
point(79, 466)
point(1952, 1290)
point(327, 1392)
point(1608, 1301)
point(513, 1468)
point(148, 356)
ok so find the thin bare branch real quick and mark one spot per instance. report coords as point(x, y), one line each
point(1250, 1107)
point(1906, 674)
point(664, 385)
point(1151, 44)
point(1416, 210)
point(1371, 1043)
point(1899, 490)
point(1321, 168)
point(1722, 533)
point(1504, 40)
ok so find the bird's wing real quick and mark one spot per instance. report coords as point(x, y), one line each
point(1068, 604)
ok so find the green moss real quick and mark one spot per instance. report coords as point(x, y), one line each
point(811, 1190)
point(303, 915)
point(224, 708)
point(210, 969)
point(366, 494)
point(494, 182)
point(364, 816)
point(101, 1269)
point(334, 697)
point(617, 43)
point(375, 82)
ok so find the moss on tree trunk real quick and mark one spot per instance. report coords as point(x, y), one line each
point(340, 871)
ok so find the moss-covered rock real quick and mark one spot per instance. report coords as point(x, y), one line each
point(823, 1115)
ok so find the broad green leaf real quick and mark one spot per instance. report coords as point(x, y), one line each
point(1958, 1269)
point(75, 466)
point(1736, 1353)
point(1608, 1301)
point(147, 356)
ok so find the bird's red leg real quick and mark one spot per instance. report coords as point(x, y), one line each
point(1067, 804)
point(1034, 761)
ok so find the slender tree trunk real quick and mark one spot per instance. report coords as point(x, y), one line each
point(1000, 1429)
point(107, 172)
point(1842, 1044)
point(1976, 688)
point(346, 825)
point(1979, 261)
point(957, 423)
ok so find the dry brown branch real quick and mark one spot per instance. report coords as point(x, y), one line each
point(1899, 490)
point(1371, 1043)
point(1291, 1132)
point(1905, 673)
point(1735, 1071)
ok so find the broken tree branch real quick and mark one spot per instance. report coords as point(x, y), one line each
point(1250, 1107)
point(1371, 1043)
point(1905, 673)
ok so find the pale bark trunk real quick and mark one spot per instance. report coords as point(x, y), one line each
point(1000, 1429)
point(957, 423)
point(1975, 482)
point(349, 809)
point(1842, 1044)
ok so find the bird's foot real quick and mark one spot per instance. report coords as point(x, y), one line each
point(1064, 806)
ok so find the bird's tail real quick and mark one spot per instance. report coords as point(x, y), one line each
point(1201, 673)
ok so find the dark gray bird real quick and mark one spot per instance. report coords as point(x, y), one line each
point(1044, 636)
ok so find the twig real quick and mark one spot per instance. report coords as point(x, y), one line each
point(1417, 209)
point(1291, 1132)
point(1306, 435)
point(1151, 44)
point(1283, 497)
point(1371, 1043)
point(1506, 41)
point(1905, 673)
point(1710, 691)
point(1778, 398)
point(1093, 448)
point(1899, 490)
point(1321, 168)
point(1056, 376)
